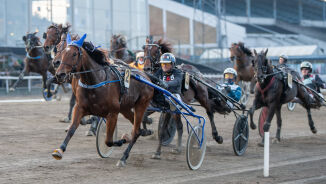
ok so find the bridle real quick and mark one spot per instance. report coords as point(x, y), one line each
point(155, 58)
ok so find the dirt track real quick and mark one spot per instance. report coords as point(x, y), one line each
point(31, 131)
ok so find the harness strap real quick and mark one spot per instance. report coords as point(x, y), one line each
point(95, 85)
point(262, 91)
point(30, 57)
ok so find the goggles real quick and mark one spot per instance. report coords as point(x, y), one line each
point(228, 76)
point(165, 64)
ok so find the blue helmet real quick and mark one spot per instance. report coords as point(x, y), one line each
point(168, 58)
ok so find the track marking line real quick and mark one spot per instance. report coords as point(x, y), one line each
point(305, 180)
point(22, 100)
point(249, 169)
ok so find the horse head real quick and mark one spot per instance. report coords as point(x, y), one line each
point(118, 42)
point(31, 41)
point(261, 65)
point(53, 35)
point(70, 58)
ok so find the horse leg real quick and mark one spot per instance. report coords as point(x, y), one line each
point(48, 85)
point(178, 121)
point(111, 122)
point(252, 85)
point(306, 102)
point(251, 111)
point(140, 109)
point(279, 123)
point(267, 125)
point(78, 114)
point(166, 118)
point(20, 78)
point(311, 122)
point(218, 139)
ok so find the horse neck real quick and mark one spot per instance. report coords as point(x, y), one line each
point(120, 54)
point(35, 51)
point(94, 77)
point(243, 61)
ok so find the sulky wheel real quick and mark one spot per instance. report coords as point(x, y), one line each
point(261, 120)
point(291, 106)
point(102, 149)
point(195, 152)
point(240, 135)
point(169, 132)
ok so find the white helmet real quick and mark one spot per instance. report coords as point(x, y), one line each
point(230, 70)
point(306, 64)
point(140, 54)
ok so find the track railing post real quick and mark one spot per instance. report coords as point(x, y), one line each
point(266, 154)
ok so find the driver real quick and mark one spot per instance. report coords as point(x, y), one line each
point(310, 80)
point(139, 64)
point(170, 75)
point(231, 89)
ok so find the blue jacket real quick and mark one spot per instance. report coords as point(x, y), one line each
point(235, 92)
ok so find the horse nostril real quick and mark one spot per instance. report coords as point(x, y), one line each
point(56, 63)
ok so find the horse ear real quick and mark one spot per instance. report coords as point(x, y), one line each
point(24, 38)
point(68, 38)
point(35, 33)
point(255, 52)
point(81, 40)
point(265, 53)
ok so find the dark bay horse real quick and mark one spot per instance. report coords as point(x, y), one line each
point(271, 91)
point(36, 60)
point(197, 91)
point(242, 58)
point(119, 50)
point(91, 64)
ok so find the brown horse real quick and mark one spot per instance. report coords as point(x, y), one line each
point(272, 92)
point(119, 50)
point(91, 64)
point(36, 60)
point(242, 58)
point(197, 91)
point(53, 36)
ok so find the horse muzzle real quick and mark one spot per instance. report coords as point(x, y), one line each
point(61, 77)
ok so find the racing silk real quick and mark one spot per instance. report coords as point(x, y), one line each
point(235, 92)
point(173, 79)
point(138, 66)
point(314, 82)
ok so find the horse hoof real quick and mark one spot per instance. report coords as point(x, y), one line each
point(176, 151)
point(89, 133)
point(65, 120)
point(67, 128)
point(11, 89)
point(126, 137)
point(219, 139)
point(156, 156)
point(314, 130)
point(275, 141)
point(260, 144)
point(57, 154)
point(121, 163)
point(253, 126)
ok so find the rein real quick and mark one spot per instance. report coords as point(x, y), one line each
point(269, 85)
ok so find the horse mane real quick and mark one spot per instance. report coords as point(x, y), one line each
point(62, 28)
point(245, 49)
point(165, 46)
point(97, 55)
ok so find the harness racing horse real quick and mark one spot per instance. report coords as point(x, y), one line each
point(197, 91)
point(98, 92)
point(272, 91)
point(55, 41)
point(36, 60)
point(242, 58)
point(118, 49)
